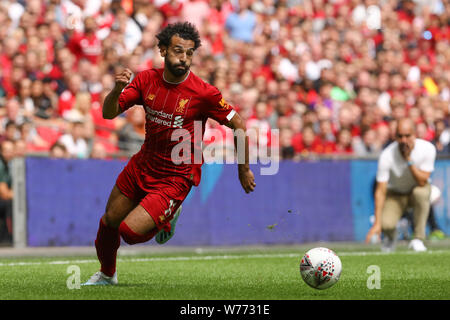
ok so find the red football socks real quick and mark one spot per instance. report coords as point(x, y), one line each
point(107, 244)
point(108, 241)
point(131, 237)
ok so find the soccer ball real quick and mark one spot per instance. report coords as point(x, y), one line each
point(320, 268)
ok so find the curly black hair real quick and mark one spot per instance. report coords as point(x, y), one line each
point(185, 30)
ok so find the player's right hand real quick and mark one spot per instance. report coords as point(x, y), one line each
point(123, 79)
point(374, 231)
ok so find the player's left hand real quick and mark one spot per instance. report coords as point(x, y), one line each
point(405, 150)
point(247, 180)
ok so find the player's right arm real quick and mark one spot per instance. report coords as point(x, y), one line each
point(218, 109)
point(380, 197)
point(111, 108)
point(380, 194)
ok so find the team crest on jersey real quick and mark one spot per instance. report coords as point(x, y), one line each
point(224, 104)
point(151, 96)
point(181, 105)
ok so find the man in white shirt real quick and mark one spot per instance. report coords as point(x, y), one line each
point(404, 169)
point(74, 140)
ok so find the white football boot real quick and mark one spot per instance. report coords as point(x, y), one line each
point(100, 279)
point(164, 236)
point(417, 245)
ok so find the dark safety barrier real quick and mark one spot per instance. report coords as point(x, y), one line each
point(326, 200)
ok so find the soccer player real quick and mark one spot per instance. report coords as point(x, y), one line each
point(403, 175)
point(146, 199)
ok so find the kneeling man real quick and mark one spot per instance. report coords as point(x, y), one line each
point(403, 175)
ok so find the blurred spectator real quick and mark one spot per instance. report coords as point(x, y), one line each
point(309, 144)
point(98, 151)
point(86, 45)
point(32, 139)
point(442, 137)
point(42, 103)
point(11, 133)
point(104, 19)
point(366, 145)
point(331, 65)
point(242, 22)
point(93, 81)
point(81, 111)
point(24, 97)
point(346, 120)
point(12, 113)
point(260, 126)
point(392, 134)
point(129, 29)
point(132, 135)
point(287, 150)
point(74, 140)
point(195, 11)
point(6, 192)
point(344, 142)
point(326, 136)
point(105, 130)
point(67, 98)
point(58, 150)
point(20, 148)
point(171, 10)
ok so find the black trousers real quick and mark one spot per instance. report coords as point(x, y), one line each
point(5, 221)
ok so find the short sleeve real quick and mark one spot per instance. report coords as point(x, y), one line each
point(427, 164)
point(383, 168)
point(131, 95)
point(217, 108)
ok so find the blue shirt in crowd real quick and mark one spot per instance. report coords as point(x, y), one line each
point(241, 25)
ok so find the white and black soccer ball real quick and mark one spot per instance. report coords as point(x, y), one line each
point(320, 268)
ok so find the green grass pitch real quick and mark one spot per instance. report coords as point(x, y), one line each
point(263, 273)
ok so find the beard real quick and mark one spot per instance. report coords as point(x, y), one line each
point(177, 70)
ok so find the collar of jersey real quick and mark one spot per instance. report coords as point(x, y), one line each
point(164, 78)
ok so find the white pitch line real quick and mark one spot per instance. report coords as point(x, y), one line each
point(203, 258)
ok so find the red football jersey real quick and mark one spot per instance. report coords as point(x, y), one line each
point(170, 107)
point(86, 46)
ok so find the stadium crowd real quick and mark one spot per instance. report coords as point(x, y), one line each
point(330, 76)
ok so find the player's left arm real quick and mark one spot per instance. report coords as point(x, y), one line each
point(246, 176)
point(421, 172)
point(420, 176)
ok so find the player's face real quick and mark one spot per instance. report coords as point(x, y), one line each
point(178, 56)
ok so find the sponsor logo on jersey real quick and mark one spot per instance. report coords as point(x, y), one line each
point(224, 104)
point(158, 117)
point(178, 122)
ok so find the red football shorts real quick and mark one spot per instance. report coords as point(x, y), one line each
point(160, 197)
